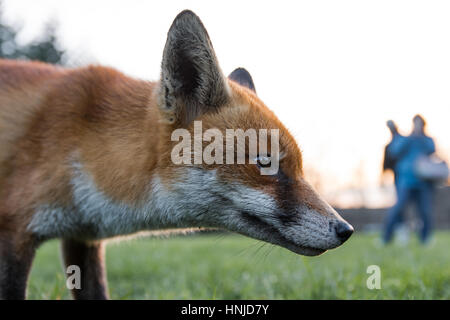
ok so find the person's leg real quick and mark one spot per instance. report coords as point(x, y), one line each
point(425, 206)
point(401, 214)
point(394, 213)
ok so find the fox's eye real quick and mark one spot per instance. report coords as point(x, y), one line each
point(263, 161)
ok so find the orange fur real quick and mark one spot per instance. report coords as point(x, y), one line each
point(114, 123)
point(86, 154)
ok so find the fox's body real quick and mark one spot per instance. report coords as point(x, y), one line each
point(86, 155)
point(79, 147)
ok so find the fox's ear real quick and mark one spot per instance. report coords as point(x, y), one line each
point(243, 77)
point(191, 80)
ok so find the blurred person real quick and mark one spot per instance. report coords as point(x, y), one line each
point(389, 160)
point(410, 186)
point(389, 164)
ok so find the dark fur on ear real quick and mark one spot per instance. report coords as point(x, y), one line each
point(191, 80)
point(243, 77)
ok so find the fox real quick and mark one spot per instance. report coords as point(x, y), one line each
point(86, 157)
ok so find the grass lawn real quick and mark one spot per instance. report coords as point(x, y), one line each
point(235, 267)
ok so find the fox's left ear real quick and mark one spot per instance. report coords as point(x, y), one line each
point(192, 82)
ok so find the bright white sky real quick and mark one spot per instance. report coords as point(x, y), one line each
point(333, 71)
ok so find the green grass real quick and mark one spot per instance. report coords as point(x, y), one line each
point(234, 267)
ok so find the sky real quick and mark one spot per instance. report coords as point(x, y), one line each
point(332, 71)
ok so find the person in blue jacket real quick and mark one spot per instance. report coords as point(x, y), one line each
point(410, 187)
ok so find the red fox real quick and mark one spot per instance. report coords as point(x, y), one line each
point(86, 155)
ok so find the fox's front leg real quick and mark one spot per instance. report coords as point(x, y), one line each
point(16, 257)
point(89, 257)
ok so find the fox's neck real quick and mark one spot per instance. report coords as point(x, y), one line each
point(121, 152)
point(95, 214)
point(114, 177)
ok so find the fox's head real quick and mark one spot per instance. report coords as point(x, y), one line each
point(276, 206)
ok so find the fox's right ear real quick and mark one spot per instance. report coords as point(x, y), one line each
point(192, 82)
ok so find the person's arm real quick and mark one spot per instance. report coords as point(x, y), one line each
point(430, 148)
point(386, 159)
point(398, 147)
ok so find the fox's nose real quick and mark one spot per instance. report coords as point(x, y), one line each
point(343, 230)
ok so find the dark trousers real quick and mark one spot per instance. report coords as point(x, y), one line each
point(400, 215)
point(422, 196)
